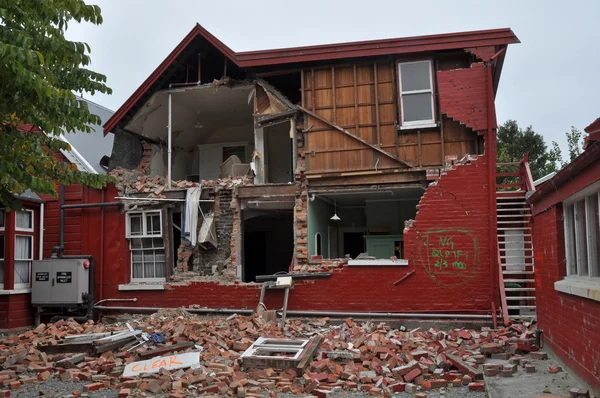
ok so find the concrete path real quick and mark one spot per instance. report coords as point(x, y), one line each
point(542, 383)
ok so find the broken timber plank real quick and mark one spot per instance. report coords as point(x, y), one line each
point(308, 354)
point(100, 348)
point(164, 350)
point(349, 134)
point(476, 374)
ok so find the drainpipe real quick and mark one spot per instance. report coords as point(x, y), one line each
point(41, 247)
point(169, 149)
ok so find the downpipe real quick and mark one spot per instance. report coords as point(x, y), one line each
point(334, 314)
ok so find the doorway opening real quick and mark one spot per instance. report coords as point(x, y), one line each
point(268, 242)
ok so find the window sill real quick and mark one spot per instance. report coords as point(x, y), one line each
point(587, 288)
point(419, 126)
point(378, 263)
point(15, 291)
point(142, 286)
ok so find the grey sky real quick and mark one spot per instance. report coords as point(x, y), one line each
point(550, 80)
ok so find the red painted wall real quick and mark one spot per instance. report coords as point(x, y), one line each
point(571, 324)
point(457, 206)
point(463, 95)
point(15, 311)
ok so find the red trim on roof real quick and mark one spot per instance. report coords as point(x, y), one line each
point(417, 44)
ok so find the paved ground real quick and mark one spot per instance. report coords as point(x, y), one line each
point(529, 385)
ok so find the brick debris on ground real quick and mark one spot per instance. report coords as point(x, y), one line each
point(368, 358)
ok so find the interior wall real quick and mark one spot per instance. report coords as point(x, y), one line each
point(390, 215)
point(279, 153)
point(319, 213)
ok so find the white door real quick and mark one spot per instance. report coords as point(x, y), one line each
point(514, 244)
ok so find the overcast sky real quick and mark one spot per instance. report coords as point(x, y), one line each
point(550, 81)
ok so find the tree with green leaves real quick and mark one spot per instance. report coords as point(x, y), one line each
point(514, 142)
point(575, 141)
point(40, 72)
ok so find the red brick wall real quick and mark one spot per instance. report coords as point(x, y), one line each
point(463, 95)
point(571, 324)
point(15, 311)
point(457, 206)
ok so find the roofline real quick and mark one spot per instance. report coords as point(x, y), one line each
point(406, 45)
point(591, 154)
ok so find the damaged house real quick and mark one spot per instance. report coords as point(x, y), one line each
point(367, 170)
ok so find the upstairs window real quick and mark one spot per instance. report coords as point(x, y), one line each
point(416, 94)
point(24, 220)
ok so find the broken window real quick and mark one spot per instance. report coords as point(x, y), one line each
point(144, 231)
point(582, 234)
point(416, 94)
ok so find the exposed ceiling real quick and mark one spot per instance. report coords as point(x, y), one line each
point(359, 198)
point(197, 113)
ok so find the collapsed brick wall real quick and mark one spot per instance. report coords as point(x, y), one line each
point(214, 261)
point(570, 323)
point(447, 244)
point(463, 95)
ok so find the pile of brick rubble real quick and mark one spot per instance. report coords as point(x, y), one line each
point(367, 357)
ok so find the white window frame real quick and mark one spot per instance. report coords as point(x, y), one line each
point(417, 123)
point(144, 234)
point(144, 215)
point(15, 259)
point(21, 229)
point(576, 282)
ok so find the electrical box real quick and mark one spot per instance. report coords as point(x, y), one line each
point(59, 281)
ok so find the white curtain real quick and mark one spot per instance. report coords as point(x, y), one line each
point(23, 254)
point(24, 219)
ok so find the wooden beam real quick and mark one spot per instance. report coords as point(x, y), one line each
point(314, 98)
point(356, 117)
point(334, 100)
point(349, 134)
point(377, 105)
point(256, 191)
point(302, 86)
point(389, 178)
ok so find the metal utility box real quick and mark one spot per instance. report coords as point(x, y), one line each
point(59, 282)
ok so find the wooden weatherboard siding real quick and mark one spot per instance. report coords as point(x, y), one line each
point(362, 99)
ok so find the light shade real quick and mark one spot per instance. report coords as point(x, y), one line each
point(335, 218)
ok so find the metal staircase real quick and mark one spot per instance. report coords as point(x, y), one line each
point(515, 244)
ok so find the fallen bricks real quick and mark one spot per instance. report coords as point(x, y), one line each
point(368, 357)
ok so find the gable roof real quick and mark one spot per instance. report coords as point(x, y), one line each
point(405, 45)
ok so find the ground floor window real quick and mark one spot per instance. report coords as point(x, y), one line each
point(1, 262)
point(582, 233)
point(147, 245)
point(23, 258)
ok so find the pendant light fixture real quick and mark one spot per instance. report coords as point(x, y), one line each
point(335, 216)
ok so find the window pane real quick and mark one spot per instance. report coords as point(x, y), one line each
point(23, 247)
point(135, 224)
point(160, 270)
point(157, 243)
point(593, 235)
point(136, 243)
point(22, 271)
point(2, 218)
point(415, 76)
point(24, 219)
point(570, 239)
point(1, 247)
point(138, 270)
point(153, 224)
point(2, 274)
point(417, 107)
point(581, 238)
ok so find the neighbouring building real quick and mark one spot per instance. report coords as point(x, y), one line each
point(21, 237)
point(566, 241)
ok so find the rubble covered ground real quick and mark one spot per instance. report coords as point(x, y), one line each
point(354, 359)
